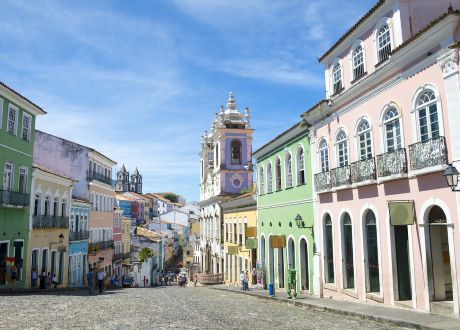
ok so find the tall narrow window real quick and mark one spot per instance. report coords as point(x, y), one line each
point(56, 206)
point(364, 140)
point(236, 152)
point(45, 260)
point(342, 149)
point(428, 121)
point(373, 281)
point(22, 180)
point(324, 156)
point(336, 78)
point(278, 174)
point(8, 176)
point(261, 181)
point(300, 166)
point(329, 250)
point(12, 120)
point(269, 178)
point(37, 205)
point(358, 62)
point(392, 130)
point(383, 43)
point(349, 267)
point(47, 206)
point(288, 164)
point(64, 208)
point(26, 123)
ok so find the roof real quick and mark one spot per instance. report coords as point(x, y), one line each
point(277, 137)
point(47, 170)
point(149, 234)
point(353, 28)
point(245, 201)
point(139, 196)
point(122, 197)
point(80, 200)
point(23, 97)
point(158, 197)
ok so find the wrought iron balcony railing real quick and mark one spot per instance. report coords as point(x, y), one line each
point(46, 221)
point(126, 255)
point(341, 176)
point(14, 198)
point(428, 154)
point(323, 181)
point(78, 235)
point(99, 246)
point(363, 170)
point(90, 175)
point(117, 256)
point(392, 163)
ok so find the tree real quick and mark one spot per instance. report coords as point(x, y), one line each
point(171, 197)
point(145, 253)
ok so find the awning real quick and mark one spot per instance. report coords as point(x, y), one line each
point(402, 213)
point(251, 232)
point(232, 250)
point(278, 242)
point(251, 243)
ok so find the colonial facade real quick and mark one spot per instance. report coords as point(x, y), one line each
point(385, 217)
point(126, 183)
point(226, 170)
point(78, 242)
point(117, 241)
point(17, 136)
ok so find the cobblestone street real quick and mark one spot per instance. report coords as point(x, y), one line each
point(165, 308)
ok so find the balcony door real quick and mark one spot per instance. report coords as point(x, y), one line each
point(8, 176)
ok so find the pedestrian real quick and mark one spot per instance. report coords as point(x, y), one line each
point(254, 276)
point(14, 276)
point(48, 281)
point(54, 280)
point(242, 280)
point(90, 280)
point(42, 279)
point(100, 278)
point(246, 281)
point(196, 279)
point(34, 278)
point(166, 280)
point(144, 280)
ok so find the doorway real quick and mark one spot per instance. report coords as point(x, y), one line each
point(281, 268)
point(401, 238)
point(271, 261)
point(304, 269)
point(3, 255)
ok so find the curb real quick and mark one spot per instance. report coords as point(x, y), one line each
point(318, 308)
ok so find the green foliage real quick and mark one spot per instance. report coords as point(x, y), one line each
point(145, 253)
point(171, 197)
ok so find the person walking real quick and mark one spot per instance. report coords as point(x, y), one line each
point(42, 279)
point(242, 280)
point(54, 280)
point(90, 280)
point(34, 278)
point(100, 279)
point(14, 276)
point(246, 280)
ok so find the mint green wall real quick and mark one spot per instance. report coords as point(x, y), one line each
point(14, 222)
point(272, 208)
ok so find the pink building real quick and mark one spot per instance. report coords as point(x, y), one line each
point(387, 225)
point(117, 241)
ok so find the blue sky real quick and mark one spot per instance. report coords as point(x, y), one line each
point(141, 80)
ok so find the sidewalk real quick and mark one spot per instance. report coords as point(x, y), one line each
point(394, 316)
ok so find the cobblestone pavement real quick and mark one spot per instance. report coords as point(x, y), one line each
point(165, 308)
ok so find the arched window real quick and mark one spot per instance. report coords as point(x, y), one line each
point(329, 250)
point(278, 174)
point(269, 178)
point(358, 61)
point(300, 166)
point(288, 169)
point(324, 156)
point(364, 140)
point(236, 152)
point(391, 122)
point(372, 280)
point(336, 78)
point(347, 238)
point(427, 112)
point(261, 181)
point(383, 42)
point(342, 148)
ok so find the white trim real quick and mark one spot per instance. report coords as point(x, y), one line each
point(25, 114)
point(357, 135)
point(342, 248)
point(11, 106)
point(383, 138)
point(354, 45)
point(323, 241)
point(381, 22)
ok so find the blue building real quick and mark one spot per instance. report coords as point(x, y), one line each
point(78, 242)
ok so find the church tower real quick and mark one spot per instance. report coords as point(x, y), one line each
point(136, 182)
point(122, 180)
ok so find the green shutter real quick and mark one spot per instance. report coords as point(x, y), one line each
point(251, 243)
point(232, 250)
point(401, 213)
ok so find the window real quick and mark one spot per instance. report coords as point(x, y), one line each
point(26, 125)
point(236, 152)
point(364, 140)
point(278, 174)
point(324, 156)
point(261, 181)
point(56, 206)
point(427, 112)
point(37, 205)
point(336, 78)
point(392, 130)
point(329, 250)
point(383, 43)
point(45, 260)
point(269, 178)
point(347, 232)
point(63, 208)
point(300, 166)
point(288, 164)
point(8, 176)
point(358, 62)
point(373, 281)
point(12, 120)
point(342, 148)
point(22, 184)
point(47, 206)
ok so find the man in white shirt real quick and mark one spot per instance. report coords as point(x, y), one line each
point(100, 279)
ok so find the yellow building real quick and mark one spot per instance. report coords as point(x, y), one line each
point(126, 245)
point(240, 237)
point(49, 220)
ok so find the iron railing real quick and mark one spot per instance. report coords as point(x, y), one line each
point(363, 170)
point(392, 163)
point(99, 246)
point(14, 198)
point(341, 176)
point(46, 221)
point(78, 235)
point(117, 256)
point(126, 255)
point(323, 181)
point(428, 154)
point(90, 175)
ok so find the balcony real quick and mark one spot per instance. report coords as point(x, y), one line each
point(117, 256)
point(99, 246)
point(392, 163)
point(323, 181)
point(90, 176)
point(126, 255)
point(363, 170)
point(46, 221)
point(426, 154)
point(341, 176)
point(14, 198)
point(78, 235)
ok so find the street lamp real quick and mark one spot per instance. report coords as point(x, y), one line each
point(301, 224)
point(451, 175)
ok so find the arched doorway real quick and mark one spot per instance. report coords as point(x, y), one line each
point(281, 268)
point(304, 266)
point(440, 273)
point(371, 253)
point(291, 253)
point(348, 255)
point(271, 261)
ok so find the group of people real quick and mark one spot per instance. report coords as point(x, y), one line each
point(93, 276)
point(244, 279)
point(182, 280)
point(47, 280)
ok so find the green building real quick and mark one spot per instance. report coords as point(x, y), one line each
point(17, 134)
point(285, 209)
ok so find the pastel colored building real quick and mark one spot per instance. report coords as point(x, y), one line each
point(117, 241)
point(386, 222)
point(17, 136)
point(126, 245)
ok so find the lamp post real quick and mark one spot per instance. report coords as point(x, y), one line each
point(451, 175)
point(301, 224)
